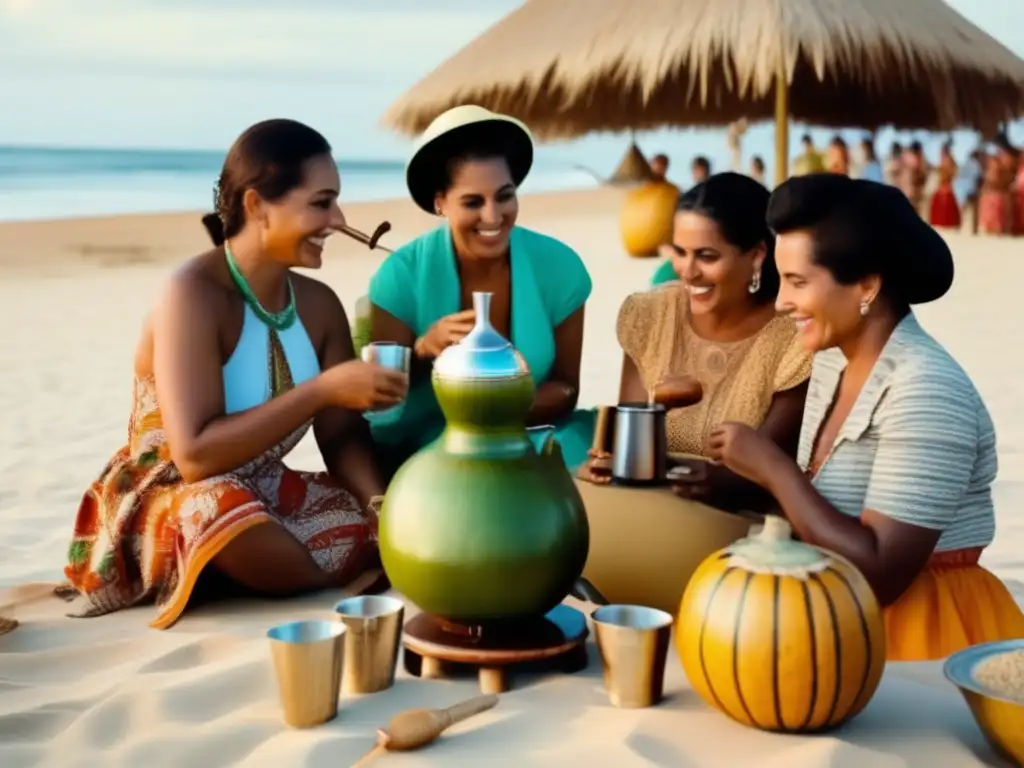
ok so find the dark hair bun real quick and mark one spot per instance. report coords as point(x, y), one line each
point(863, 228)
point(214, 228)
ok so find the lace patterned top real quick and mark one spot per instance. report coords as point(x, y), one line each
point(739, 378)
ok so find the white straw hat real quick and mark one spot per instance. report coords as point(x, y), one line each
point(456, 130)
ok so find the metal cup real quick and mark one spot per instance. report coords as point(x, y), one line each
point(388, 354)
point(373, 626)
point(640, 452)
point(308, 659)
point(633, 642)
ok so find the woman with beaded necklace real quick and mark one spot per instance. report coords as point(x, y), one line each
point(240, 356)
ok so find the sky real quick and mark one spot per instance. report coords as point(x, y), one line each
point(194, 73)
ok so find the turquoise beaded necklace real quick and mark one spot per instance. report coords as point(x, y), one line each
point(279, 321)
point(279, 374)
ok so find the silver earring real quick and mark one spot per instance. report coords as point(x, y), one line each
point(437, 210)
point(865, 307)
point(755, 282)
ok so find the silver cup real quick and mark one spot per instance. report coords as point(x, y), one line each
point(388, 354)
point(308, 659)
point(640, 452)
point(373, 626)
point(633, 642)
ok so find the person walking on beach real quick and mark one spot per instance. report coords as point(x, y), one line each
point(838, 158)
point(914, 171)
point(869, 168)
point(757, 170)
point(894, 165)
point(1011, 160)
point(944, 209)
point(810, 160)
point(659, 167)
point(969, 186)
point(700, 169)
point(239, 358)
point(995, 204)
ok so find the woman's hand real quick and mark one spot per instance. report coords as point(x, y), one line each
point(692, 479)
point(359, 386)
point(744, 451)
point(449, 330)
point(597, 469)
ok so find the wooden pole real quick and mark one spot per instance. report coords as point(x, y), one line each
point(781, 125)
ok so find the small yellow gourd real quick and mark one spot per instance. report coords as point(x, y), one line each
point(646, 217)
point(781, 635)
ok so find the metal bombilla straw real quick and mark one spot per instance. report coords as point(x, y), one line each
point(368, 240)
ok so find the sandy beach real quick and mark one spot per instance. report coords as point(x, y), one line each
point(111, 691)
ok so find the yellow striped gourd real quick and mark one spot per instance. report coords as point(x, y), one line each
point(781, 635)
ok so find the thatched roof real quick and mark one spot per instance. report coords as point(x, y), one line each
point(633, 168)
point(569, 67)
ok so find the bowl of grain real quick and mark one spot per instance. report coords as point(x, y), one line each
point(991, 678)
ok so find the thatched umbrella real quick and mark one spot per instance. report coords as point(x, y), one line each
point(632, 169)
point(570, 67)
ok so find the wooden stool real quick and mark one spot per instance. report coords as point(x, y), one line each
point(554, 641)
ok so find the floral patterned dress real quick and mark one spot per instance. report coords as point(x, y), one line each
point(143, 534)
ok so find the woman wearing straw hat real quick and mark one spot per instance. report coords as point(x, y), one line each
point(897, 450)
point(466, 169)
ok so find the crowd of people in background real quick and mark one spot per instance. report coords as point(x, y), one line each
point(985, 193)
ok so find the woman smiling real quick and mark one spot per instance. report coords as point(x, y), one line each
point(466, 170)
point(239, 357)
point(716, 323)
point(897, 450)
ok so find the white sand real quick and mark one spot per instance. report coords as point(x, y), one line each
point(111, 691)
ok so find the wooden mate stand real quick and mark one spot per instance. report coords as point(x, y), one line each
point(434, 648)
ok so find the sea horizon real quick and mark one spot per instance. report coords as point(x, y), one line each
point(57, 182)
point(60, 181)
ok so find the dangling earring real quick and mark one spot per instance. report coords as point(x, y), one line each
point(437, 209)
point(865, 307)
point(755, 282)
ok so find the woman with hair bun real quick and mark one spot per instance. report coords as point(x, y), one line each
point(708, 347)
point(715, 323)
point(240, 356)
point(897, 449)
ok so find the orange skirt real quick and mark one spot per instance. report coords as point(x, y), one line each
point(953, 604)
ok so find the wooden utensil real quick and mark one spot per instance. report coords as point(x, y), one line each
point(368, 240)
point(417, 728)
point(677, 392)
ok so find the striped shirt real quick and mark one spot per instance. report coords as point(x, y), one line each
point(918, 445)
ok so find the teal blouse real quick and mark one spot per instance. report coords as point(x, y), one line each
point(664, 273)
point(419, 284)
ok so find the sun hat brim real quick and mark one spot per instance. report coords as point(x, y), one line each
point(446, 138)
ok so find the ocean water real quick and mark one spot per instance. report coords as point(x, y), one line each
point(50, 183)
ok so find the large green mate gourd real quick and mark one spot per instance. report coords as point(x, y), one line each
point(479, 526)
